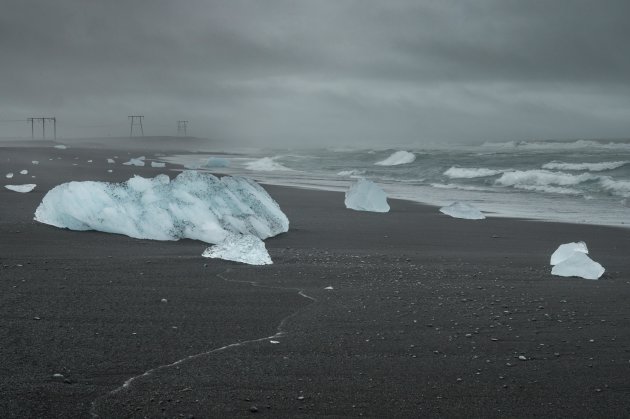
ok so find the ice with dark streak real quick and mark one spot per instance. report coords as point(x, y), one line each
point(193, 205)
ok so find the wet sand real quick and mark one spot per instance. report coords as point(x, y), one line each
point(429, 316)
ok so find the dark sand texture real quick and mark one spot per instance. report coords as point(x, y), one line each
point(427, 317)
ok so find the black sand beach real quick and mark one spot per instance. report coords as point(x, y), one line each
point(429, 316)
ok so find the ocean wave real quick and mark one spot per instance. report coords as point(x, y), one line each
point(558, 145)
point(549, 189)
point(616, 187)
point(266, 164)
point(530, 178)
point(470, 173)
point(591, 167)
point(397, 158)
point(460, 187)
point(351, 173)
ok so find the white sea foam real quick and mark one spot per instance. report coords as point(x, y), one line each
point(528, 178)
point(266, 164)
point(591, 167)
point(194, 205)
point(397, 158)
point(60, 146)
point(24, 172)
point(21, 188)
point(460, 187)
point(351, 173)
point(616, 187)
point(111, 161)
point(35, 162)
point(470, 173)
point(558, 145)
point(550, 189)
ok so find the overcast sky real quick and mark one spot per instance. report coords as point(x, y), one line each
point(293, 72)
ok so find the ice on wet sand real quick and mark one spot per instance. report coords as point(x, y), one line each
point(365, 195)
point(138, 161)
point(570, 259)
point(21, 188)
point(244, 248)
point(564, 251)
point(462, 210)
point(194, 205)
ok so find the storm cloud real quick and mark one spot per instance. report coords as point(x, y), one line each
point(281, 72)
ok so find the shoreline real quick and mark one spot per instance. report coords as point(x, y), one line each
point(428, 315)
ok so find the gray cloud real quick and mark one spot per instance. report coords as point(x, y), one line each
point(305, 72)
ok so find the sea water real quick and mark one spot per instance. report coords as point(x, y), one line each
point(585, 181)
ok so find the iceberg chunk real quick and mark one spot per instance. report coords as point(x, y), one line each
point(580, 265)
point(245, 248)
point(217, 162)
point(365, 195)
point(21, 188)
point(139, 161)
point(399, 157)
point(565, 251)
point(462, 210)
point(9, 175)
point(194, 205)
point(157, 164)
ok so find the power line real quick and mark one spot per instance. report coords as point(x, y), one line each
point(181, 128)
point(139, 119)
point(42, 120)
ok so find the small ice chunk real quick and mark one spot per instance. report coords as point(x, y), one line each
point(24, 172)
point(365, 195)
point(462, 210)
point(139, 161)
point(21, 188)
point(580, 265)
point(245, 248)
point(60, 147)
point(157, 164)
point(217, 162)
point(565, 251)
point(90, 161)
point(111, 161)
point(266, 164)
point(328, 288)
point(109, 170)
point(9, 175)
point(397, 158)
point(35, 162)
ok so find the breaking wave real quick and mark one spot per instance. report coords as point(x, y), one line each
point(558, 145)
point(470, 173)
point(591, 167)
point(616, 187)
point(397, 158)
point(530, 178)
point(266, 164)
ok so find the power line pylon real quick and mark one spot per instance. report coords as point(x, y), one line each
point(137, 118)
point(43, 120)
point(181, 128)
